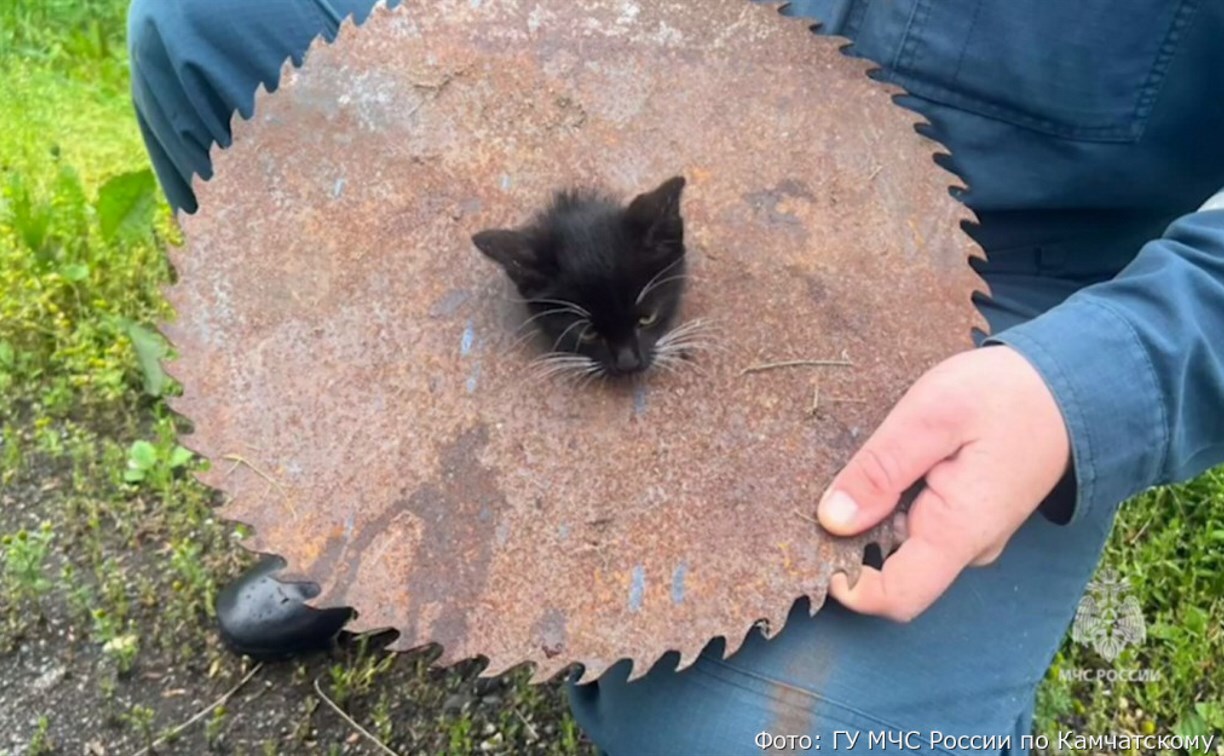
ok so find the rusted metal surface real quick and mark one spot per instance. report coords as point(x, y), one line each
point(349, 359)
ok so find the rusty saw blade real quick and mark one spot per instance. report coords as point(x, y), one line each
point(353, 372)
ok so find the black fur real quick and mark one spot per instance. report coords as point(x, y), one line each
point(601, 280)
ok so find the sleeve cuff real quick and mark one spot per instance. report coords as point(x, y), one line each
point(1106, 387)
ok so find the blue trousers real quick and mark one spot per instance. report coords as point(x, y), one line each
point(967, 667)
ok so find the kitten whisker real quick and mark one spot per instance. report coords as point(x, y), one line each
point(589, 326)
point(569, 328)
point(676, 347)
point(688, 339)
point(518, 341)
point(652, 286)
point(689, 324)
point(571, 373)
point(563, 364)
point(688, 333)
point(538, 315)
point(674, 364)
point(552, 368)
point(665, 362)
point(595, 374)
point(576, 308)
point(655, 277)
point(696, 323)
point(527, 334)
point(553, 359)
point(685, 349)
point(559, 358)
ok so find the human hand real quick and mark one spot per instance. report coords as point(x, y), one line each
point(985, 432)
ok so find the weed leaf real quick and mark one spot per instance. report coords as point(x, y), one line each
point(126, 204)
point(28, 217)
point(150, 349)
point(75, 272)
point(142, 456)
point(179, 457)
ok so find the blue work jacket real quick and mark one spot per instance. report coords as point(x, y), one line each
point(1090, 135)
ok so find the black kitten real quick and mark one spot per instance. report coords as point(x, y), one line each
point(602, 281)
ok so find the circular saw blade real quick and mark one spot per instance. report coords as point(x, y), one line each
point(352, 366)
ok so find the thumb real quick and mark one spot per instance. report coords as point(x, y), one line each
point(921, 431)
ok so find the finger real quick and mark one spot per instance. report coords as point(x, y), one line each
point(939, 545)
point(910, 581)
point(923, 429)
point(989, 556)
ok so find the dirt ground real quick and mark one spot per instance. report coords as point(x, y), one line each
point(66, 693)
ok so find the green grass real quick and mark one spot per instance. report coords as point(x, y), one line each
point(110, 549)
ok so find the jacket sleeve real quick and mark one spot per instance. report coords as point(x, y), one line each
point(1136, 364)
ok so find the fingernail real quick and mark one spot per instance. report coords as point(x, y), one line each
point(839, 509)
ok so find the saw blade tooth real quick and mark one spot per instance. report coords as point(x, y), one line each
point(180, 367)
point(814, 25)
point(852, 572)
point(544, 670)
point(687, 657)
point(174, 328)
point(894, 91)
point(589, 672)
point(541, 673)
point(217, 154)
point(199, 449)
point(214, 477)
point(668, 661)
point(188, 408)
point(592, 670)
point(499, 665)
point(349, 25)
point(381, 8)
point(173, 331)
point(885, 541)
point(636, 670)
point(242, 124)
point(817, 600)
point(178, 258)
point(402, 644)
point(567, 671)
point(184, 406)
point(450, 656)
point(735, 640)
point(775, 620)
point(981, 325)
point(665, 659)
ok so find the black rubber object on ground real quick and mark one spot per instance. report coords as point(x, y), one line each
point(263, 618)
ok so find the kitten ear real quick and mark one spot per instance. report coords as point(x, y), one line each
point(506, 247)
point(656, 215)
point(513, 251)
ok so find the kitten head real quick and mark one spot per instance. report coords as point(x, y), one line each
point(601, 280)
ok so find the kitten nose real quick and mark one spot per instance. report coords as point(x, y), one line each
point(628, 360)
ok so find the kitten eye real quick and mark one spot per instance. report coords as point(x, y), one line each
point(648, 320)
point(588, 336)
